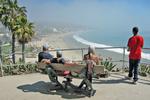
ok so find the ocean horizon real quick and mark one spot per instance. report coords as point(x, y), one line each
point(102, 40)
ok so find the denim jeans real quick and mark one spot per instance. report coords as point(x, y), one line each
point(133, 68)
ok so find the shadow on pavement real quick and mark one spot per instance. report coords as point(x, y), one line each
point(45, 88)
point(112, 81)
point(117, 79)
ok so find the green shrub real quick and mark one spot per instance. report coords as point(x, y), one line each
point(16, 69)
point(144, 69)
point(108, 64)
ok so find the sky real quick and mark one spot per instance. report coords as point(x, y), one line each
point(102, 14)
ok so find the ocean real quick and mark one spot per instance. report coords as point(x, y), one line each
point(103, 39)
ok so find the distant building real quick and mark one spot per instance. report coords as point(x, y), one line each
point(55, 30)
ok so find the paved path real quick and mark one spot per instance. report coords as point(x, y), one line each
point(36, 86)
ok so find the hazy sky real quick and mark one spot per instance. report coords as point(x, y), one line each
point(103, 14)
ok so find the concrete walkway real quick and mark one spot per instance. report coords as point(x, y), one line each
point(36, 87)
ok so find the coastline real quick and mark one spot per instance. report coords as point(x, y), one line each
point(65, 40)
point(56, 41)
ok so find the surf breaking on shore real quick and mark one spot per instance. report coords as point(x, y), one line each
point(116, 50)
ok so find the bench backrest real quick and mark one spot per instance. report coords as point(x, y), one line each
point(72, 67)
point(78, 67)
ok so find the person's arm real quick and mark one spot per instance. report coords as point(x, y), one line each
point(85, 57)
point(129, 45)
point(142, 42)
point(42, 57)
point(46, 61)
point(50, 56)
point(132, 43)
point(98, 61)
point(63, 61)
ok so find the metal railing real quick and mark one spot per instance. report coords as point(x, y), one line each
point(123, 57)
point(123, 60)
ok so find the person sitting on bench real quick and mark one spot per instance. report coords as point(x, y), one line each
point(91, 59)
point(59, 58)
point(45, 56)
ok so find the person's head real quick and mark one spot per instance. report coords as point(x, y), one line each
point(45, 47)
point(59, 54)
point(135, 30)
point(91, 49)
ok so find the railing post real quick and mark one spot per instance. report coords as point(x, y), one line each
point(123, 63)
point(1, 66)
point(82, 52)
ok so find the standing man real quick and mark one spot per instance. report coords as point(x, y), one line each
point(135, 45)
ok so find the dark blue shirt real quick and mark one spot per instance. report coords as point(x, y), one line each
point(44, 55)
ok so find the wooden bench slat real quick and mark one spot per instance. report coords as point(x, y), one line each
point(72, 67)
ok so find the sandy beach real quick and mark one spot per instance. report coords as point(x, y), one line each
point(55, 41)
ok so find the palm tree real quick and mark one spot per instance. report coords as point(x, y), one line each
point(9, 18)
point(24, 34)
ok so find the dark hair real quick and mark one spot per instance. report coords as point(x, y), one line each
point(59, 54)
point(45, 49)
point(135, 30)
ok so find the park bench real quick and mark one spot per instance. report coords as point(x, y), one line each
point(72, 67)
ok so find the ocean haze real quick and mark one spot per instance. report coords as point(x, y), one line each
point(110, 18)
point(111, 21)
point(114, 15)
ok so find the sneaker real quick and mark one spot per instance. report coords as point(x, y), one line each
point(128, 78)
point(134, 82)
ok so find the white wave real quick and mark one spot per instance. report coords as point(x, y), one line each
point(117, 50)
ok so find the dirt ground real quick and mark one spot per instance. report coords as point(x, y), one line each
point(37, 87)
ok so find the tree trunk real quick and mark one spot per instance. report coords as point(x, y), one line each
point(13, 48)
point(23, 53)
